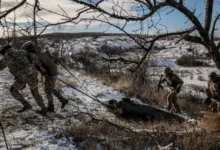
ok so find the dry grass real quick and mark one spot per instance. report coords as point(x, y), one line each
point(68, 80)
point(201, 141)
point(108, 137)
point(211, 121)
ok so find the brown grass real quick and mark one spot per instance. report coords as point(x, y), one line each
point(68, 80)
point(108, 137)
point(211, 121)
point(201, 140)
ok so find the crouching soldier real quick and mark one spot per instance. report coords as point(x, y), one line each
point(175, 83)
point(25, 73)
point(50, 75)
point(213, 91)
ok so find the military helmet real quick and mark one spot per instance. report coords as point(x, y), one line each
point(213, 75)
point(5, 48)
point(29, 46)
point(168, 70)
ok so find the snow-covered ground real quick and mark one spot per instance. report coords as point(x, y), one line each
point(32, 131)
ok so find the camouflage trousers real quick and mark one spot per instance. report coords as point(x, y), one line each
point(215, 105)
point(50, 91)
point(31, 80)
point(172, 100)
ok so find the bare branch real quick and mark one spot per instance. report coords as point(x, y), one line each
point(213, 27)
point(4, 136)
point(5, 13)
point(128, 18)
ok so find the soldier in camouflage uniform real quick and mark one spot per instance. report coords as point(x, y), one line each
point(213, 91)
point(50, 75)
point(175, 83)
point(25, 73)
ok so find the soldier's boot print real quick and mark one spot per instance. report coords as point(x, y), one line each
point(63, 100)
point(15, 93)
point(39, 101)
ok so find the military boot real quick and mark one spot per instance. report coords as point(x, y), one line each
point(64, 102)
point(50, 108)
point(42, 111)
point(178, 111)
point(26, 106)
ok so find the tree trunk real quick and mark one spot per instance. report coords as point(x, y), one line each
point(215, 56)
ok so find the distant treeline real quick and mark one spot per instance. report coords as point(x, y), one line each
point(17, 41)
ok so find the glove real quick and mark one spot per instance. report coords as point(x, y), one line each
point(42, 70)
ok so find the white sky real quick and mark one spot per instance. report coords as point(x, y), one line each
point(24, 13)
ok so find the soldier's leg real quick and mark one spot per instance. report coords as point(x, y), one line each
point(49, 86)
point(175, 103)
point(14, 89)
point(50, 89)
point(62, 99)
point(33, 84)
point(169, 100)
point(214, 106)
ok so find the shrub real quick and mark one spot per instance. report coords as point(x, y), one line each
point(188, 61)
point(110, 51)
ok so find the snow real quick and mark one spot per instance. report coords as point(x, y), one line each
point(38, 134)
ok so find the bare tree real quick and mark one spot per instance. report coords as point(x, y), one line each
point(6, 12)
point(205, 32)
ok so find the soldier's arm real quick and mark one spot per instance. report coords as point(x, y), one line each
point(218, 89)
point(208, 93)
point(180, 83)
point(163, 80)
point(35, 59)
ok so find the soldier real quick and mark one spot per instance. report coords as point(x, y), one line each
point(213, 91)
point(50, 75)
point(175, 83)
point(25, 73)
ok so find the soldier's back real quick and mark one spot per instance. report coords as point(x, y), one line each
point(18, 61)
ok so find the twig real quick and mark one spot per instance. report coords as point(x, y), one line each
point(5, 139)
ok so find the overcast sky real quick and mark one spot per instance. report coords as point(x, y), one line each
point(173, 21)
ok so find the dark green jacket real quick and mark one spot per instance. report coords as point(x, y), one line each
point(46, 62)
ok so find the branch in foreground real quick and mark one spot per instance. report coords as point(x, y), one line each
point(213, 27)
point(12, 9)
point(4, 136)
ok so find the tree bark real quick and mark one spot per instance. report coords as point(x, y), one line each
point(208, 16)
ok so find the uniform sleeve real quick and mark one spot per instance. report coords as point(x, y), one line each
point(218, 89)
point(208, 93)
point(3, 63)
point(35, 59)
point(179, 82)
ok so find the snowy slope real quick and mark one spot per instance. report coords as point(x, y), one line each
point(32, 131)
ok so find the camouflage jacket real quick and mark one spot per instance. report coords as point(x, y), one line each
point(17, 62)
point(173, 80)
point(214, 89)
